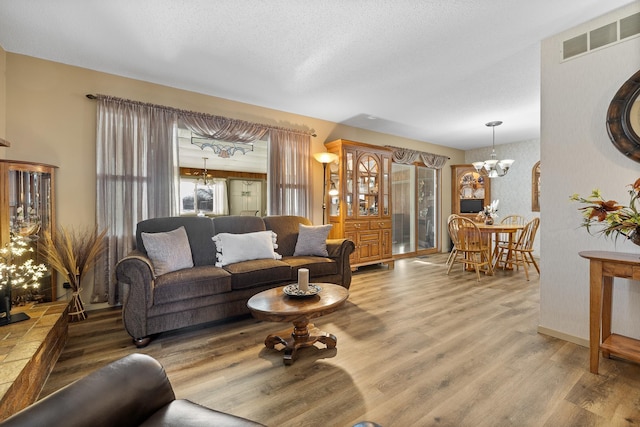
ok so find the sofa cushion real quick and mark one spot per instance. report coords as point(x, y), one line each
point(318, 266)
point(168, 251)
point(232, 248)
point(237, 224)
point(249, 274)
point(191, 283)
point(199, 231)
point(286, 227)
point(312, 240)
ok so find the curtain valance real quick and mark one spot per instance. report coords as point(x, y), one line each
point(408, 156)
point(212, 126)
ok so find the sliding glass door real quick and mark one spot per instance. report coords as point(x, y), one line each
point(427, 212)
point(403, 184)
point(415, 209)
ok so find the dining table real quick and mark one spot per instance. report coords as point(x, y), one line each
point(492, 231)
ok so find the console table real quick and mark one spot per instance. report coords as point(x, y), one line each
point(603, 267)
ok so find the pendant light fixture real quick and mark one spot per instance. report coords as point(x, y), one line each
point(493, 168)
point(203, 193)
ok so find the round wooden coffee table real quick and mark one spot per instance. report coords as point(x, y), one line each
point(275, 306)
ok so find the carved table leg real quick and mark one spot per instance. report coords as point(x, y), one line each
point(299, 337)
point(329, 340)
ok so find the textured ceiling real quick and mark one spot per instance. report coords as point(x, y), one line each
point(430, 70)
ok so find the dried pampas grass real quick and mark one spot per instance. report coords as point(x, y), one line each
point(72, 253)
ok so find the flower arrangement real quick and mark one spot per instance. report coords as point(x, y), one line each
point(72, 254)
point(613, 219)
point(490, 212)
point(17, 272)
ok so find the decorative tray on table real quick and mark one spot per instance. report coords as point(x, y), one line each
point(294, 291)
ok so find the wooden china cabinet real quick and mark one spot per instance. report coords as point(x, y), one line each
point(361, 209)
point(27, 200)
point(470, 191)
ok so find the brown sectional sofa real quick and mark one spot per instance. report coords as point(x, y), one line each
point(132, 391)
point(203, 293)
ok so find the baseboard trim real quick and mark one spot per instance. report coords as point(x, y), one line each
point(566, 337)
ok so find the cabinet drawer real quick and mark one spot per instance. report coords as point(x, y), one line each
point(369, 236)
point(380, 224)
point(356, 225)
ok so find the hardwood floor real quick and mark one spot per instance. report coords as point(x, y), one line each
point(415, 348)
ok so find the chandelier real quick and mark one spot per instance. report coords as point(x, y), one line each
point(202, 193)
point(222, 148)
point(493, 167)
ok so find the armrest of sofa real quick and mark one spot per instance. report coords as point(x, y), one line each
point(135, 273)
point(123, 393)
point(339, 250)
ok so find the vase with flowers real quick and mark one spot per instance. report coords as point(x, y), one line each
point(612, 219)
point(490, 212)
point(17, 270)
point(73, 253)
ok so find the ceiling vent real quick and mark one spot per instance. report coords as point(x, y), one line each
point(603, 36)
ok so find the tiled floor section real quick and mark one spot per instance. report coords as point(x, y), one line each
point(28, 352)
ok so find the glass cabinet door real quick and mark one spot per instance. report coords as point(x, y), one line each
point(368, 185)
point(349, 196)
point(384, 196)
point(29, 195)
point(333, 190)
point(26, 213)
point(471, 192)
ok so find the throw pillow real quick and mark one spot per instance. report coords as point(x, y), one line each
point(232, 248)
point(312, 240)
point(168, 251)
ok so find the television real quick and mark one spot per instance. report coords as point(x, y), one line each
point(471, 205)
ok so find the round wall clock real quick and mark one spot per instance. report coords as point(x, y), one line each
point(623, 118)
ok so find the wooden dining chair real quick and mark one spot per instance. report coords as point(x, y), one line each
point(503, 238)
point(521, 254)
point(452, 252)
point(471, 247)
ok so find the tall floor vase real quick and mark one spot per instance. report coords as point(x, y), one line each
point(76, 310)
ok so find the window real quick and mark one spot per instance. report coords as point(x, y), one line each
point(199, 198)
point(535, 188)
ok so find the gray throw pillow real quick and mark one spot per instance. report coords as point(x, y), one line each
point(312, 240)
point(168, 251)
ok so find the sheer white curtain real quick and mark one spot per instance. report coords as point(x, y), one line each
point(220, 198)
point(137, 178)
point(288, 173)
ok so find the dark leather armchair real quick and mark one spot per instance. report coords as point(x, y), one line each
point(132, 391)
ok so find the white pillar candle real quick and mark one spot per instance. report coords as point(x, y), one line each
point(303, 279)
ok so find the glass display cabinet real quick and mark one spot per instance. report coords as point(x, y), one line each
point(470, 191)
point(27, 200)
point(359, 208)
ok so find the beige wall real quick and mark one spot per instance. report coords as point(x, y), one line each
point(3, 95)
point(49, 120)
point(577, 156)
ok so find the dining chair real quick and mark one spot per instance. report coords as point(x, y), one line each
point(521, 254)
point(452, 252)
point(503, 238)
point(471, 248)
